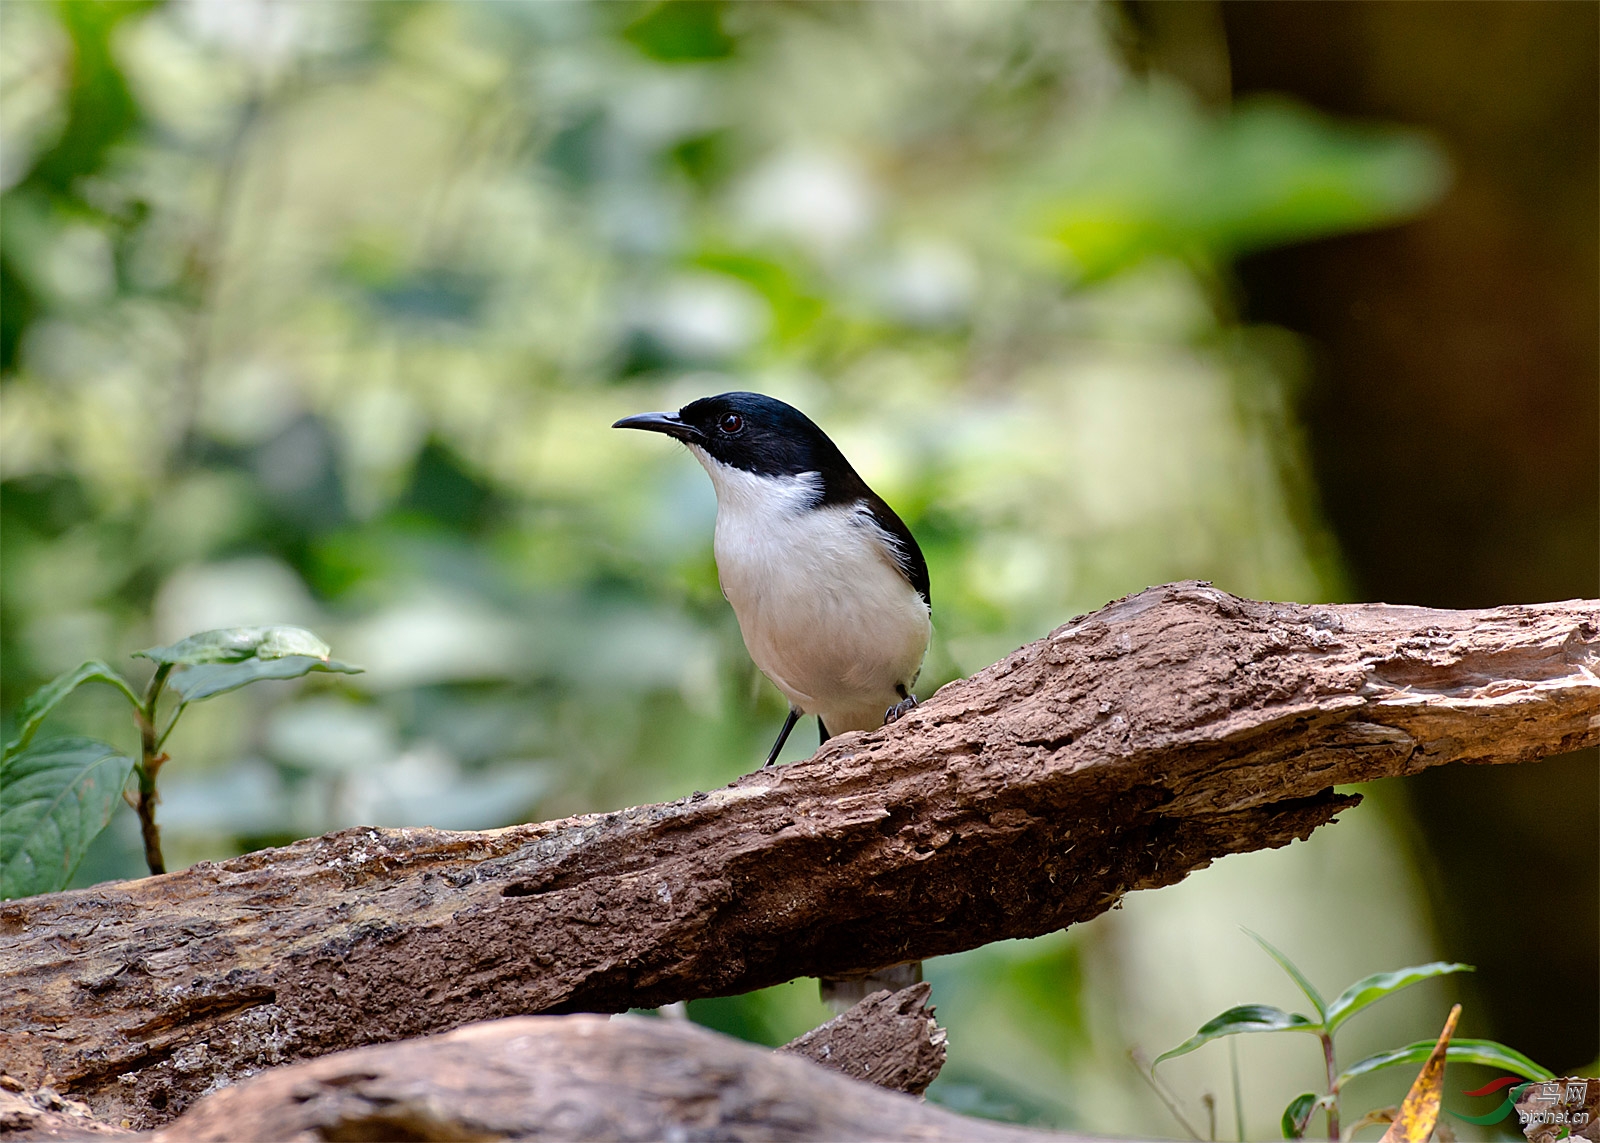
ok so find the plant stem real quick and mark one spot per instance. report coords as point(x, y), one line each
point(171, 722)
point(150, 760)
point(1155, 1085)
point(1333, 1088)
point(1238, 1092)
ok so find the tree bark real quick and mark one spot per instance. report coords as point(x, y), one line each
point(1125, 750)
point(889, 1039)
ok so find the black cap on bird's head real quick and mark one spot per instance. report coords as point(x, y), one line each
point(764, 436)
point(753, 432)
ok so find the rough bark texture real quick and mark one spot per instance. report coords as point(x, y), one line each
point(44, 1114)
point(1125, 750)
point(889, 1039)
point(570, 1078)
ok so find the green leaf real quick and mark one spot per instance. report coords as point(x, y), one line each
point(1295, 974)
point(206, 680)
point(1155, 176)
point(1486, 1052)
point(236, 644)
point(1244, 1018)
point(1371, 989)
point(1298, 1114)
point(47, 697)
point(682, 31)
point(54, 799)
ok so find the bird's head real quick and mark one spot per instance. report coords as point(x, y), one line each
point(748, 431)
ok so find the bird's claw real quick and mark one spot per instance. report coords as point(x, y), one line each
point(900, 709)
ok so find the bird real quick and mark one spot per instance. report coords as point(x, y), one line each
point(827, 583)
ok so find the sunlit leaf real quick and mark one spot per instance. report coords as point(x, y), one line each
point(1373, 988)
point(1244, 1018)
point(1486, 1052)
point(45, 699)
point(54, 799)
point(1298, 1114)
point(235, 644)
point(795, 303)
point(1419, 1111)
point(207, 680)
point(1295, 974)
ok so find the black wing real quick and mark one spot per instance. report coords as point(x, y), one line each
point(841, 484)
point(906, 552)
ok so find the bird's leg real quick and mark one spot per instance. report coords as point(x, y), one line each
point(783, 736)
point(900, 709)
point(822, 732)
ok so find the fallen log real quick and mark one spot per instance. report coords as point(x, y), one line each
point(1125, 750)
point(571, 1078)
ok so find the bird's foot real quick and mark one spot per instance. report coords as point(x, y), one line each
point(900, 709)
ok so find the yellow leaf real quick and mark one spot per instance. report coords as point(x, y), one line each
point(1419, 1114)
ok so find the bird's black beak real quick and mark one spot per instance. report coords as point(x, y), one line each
point(668, 423)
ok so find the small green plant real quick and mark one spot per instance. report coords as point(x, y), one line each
point(1330, 1017)
point(57, 795)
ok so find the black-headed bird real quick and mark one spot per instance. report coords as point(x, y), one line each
point(828, 584)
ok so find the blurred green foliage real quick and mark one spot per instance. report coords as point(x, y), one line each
point(317, 314)
point(1154, 177)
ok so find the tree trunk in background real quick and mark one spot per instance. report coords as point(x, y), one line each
point(1453, 420)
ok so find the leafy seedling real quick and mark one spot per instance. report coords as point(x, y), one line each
point(1330, 1016)
point(56, 796)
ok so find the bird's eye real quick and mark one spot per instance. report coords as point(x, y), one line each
point(730, 423)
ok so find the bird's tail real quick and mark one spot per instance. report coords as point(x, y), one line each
point(844, 992)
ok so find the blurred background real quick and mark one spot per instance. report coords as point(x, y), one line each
point(318, 314)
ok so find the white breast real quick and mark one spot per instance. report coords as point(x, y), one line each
point(825, 612)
